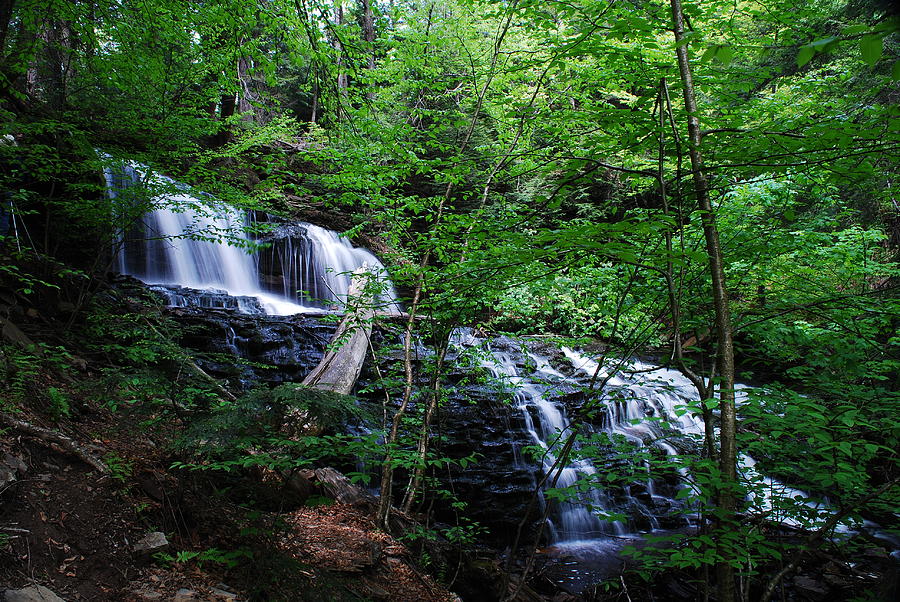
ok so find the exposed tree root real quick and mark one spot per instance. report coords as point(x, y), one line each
point(49, 436)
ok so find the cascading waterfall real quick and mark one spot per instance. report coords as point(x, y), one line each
point(203, 244)
point(637, 398)
point(666, 393)
point(547, 423)
point(627, 403)
point(319, 263)
point(642, 404)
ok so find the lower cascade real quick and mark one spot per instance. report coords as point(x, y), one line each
point(633, 404)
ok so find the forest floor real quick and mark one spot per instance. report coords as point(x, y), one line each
point(65, 526)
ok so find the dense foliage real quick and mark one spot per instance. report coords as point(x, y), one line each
point(525, 166)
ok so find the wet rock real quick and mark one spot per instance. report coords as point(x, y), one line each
point(498, 487)
point(151, 543)
point(809, 588)
point(35, 593)
point(250, 350)
point(838, 581)
point(12, 468)
point(185, 595)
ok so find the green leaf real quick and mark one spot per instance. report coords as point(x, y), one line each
point(724, 55)
point(683, 493)
point(854, 29)
point(687, 39)
point(709, 54)
point(889, 25)
point(895, 71)
point(871, 48)
point(805, 55)
point(824, 44)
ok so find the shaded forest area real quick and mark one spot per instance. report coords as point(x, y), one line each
point(710, 185)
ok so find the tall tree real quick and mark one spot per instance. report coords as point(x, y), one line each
point(727, 489)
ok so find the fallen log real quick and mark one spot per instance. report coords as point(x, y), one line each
point(343, 360)
point(342, 489)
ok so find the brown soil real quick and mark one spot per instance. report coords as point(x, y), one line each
point(65, 526)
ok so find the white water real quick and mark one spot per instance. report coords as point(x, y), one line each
point(320, 263)
point(644, 404)
point(203, 244)
point(548, 425)
point(666, 395)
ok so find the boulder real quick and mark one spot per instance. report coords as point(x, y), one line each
point(34, 593)
point(151, 543)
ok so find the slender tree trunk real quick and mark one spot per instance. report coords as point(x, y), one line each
point(422, 449)
point(314, 108)
point(342, 81)
point(227, 106)
point(387, 471)
point(726, 498)
point(368, 29)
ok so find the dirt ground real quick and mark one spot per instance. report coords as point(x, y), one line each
point(66, 527)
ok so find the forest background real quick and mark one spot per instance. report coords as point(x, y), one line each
point(522, 166)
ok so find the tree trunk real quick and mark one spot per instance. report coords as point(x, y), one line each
point(314, 108)
point(342, 81)
point(227, 105)
point(340, 366)
point(367, 22)
point(422, 449)
point(368, 29)
point(725, 347)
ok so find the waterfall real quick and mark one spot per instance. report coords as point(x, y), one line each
point(308, 258)
point(632, 404)
point(547, 424)
point(647, 406)
point(203, 244)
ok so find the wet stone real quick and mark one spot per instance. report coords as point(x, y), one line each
point(35, 593)
point(151, 543)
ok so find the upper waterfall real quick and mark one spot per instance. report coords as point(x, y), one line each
point(201, 243)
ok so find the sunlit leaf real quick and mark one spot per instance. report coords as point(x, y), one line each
point(871, 48)
point(724, 55)
point(805, 55)
point(709, 54)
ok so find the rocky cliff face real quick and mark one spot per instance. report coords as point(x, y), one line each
point(246, 350)
point(498, 488)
